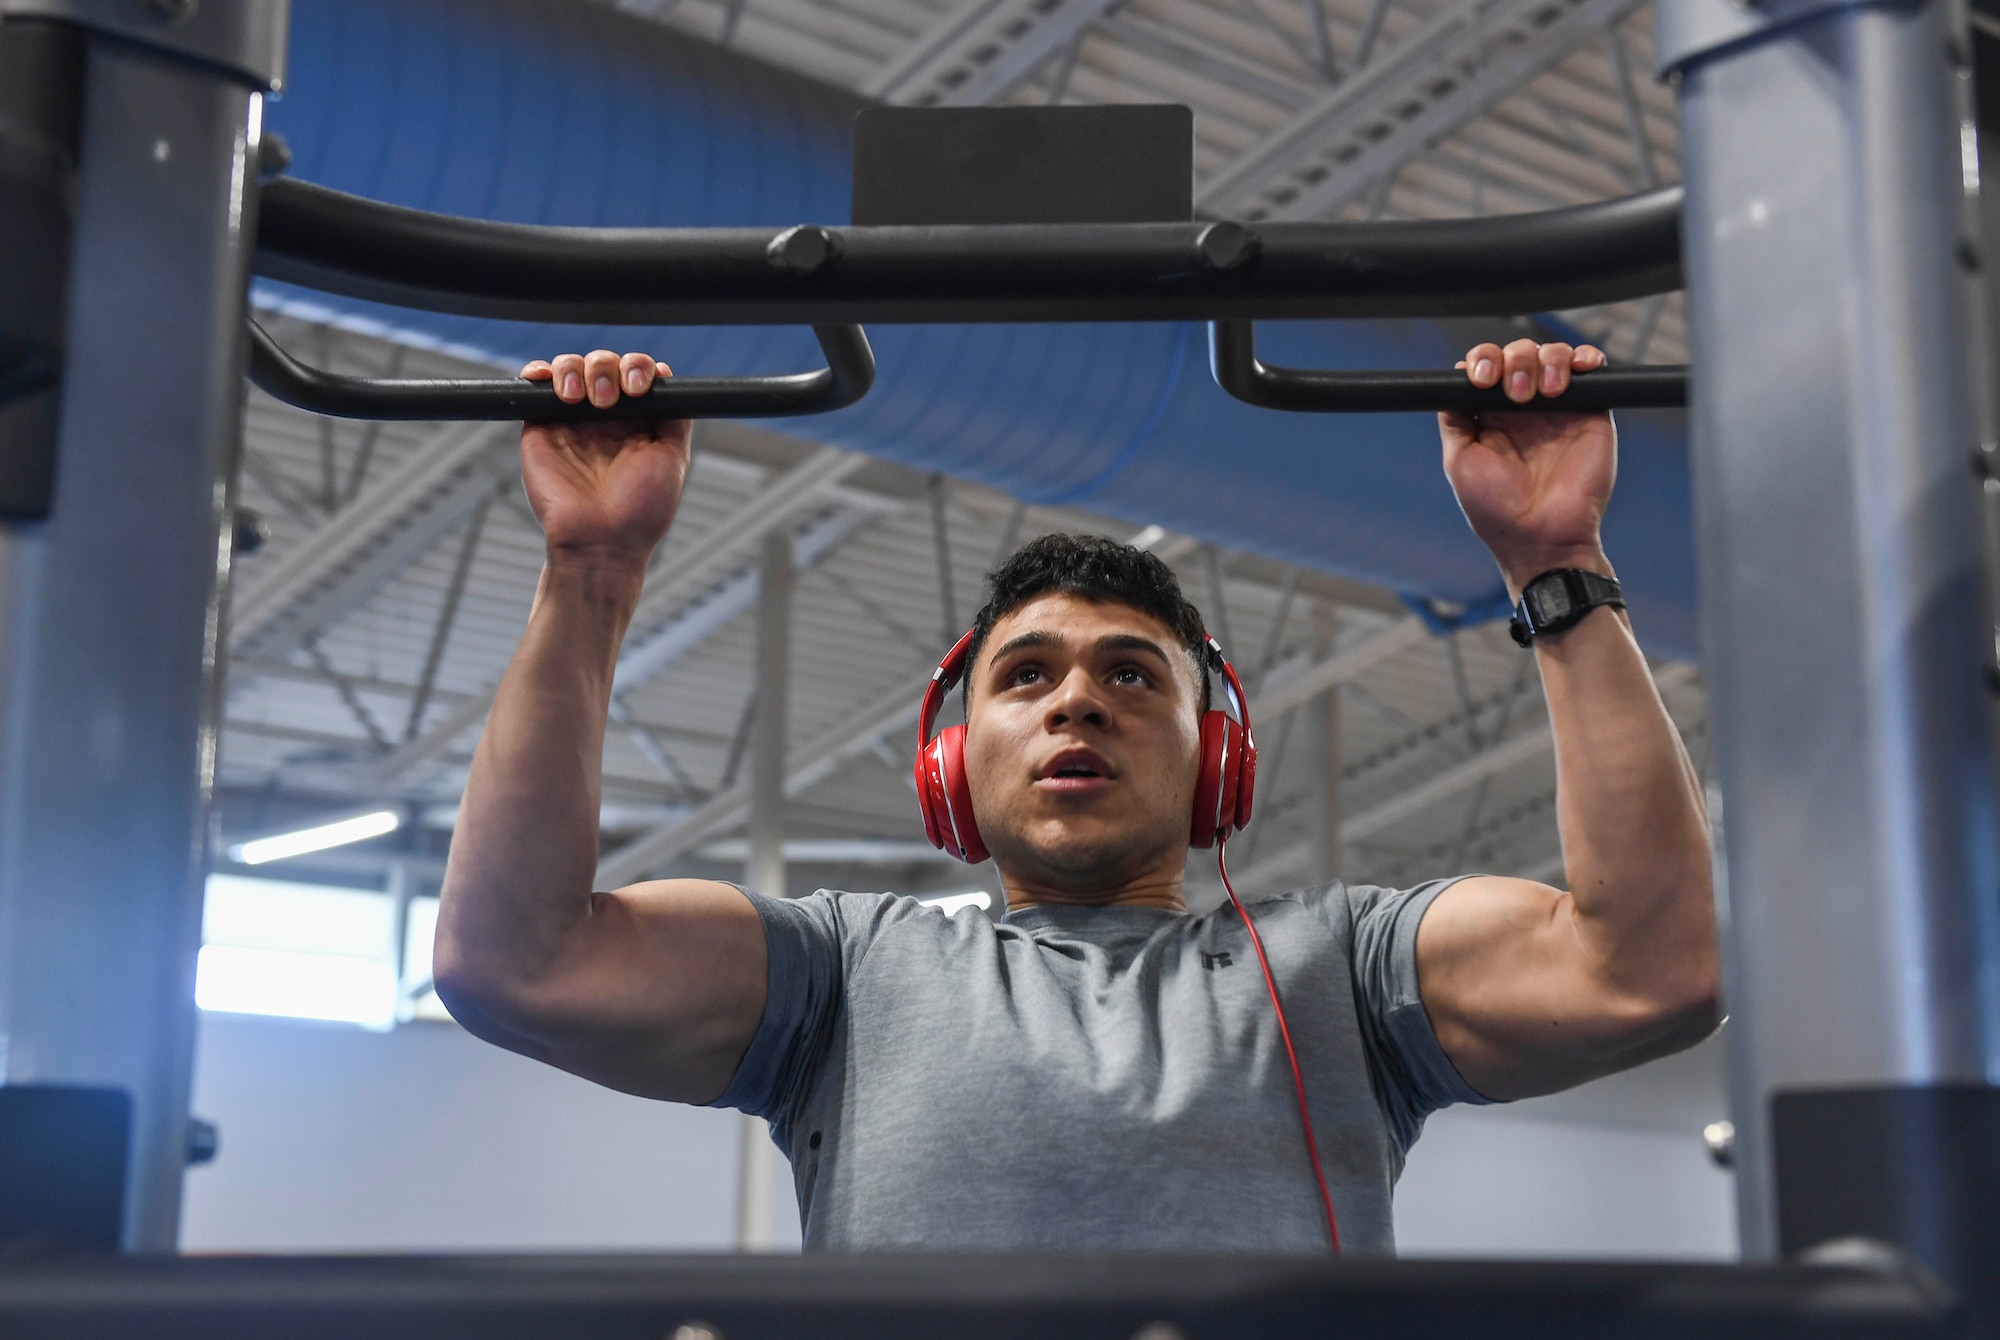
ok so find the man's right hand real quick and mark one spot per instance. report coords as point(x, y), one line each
point(604, 490)
point(655, 988)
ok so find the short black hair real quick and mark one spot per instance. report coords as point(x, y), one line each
point(1096, 569)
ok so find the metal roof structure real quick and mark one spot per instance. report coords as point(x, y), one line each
point(369, 629)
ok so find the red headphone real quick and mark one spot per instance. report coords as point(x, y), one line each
point(1222, 793)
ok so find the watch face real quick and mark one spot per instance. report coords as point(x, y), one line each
point(1550, 601)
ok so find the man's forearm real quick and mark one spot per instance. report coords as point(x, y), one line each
point(1629, 805)
point(524, 853)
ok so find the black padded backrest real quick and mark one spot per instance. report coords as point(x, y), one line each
point(63, 1151)
point(943, 165)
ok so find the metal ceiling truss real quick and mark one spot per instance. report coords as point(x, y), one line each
point(1431, 84)
point(672, 616)
point(1530, 745)
point(367, 544)
point(984, 51)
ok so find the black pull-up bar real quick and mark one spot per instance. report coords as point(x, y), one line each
point(1232, 355)
point(836, 278)
point(1503, 265)
point(849, 372)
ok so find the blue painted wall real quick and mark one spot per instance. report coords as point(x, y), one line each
point(507, 109)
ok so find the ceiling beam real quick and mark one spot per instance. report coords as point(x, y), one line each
point(1537, 742)
point(338, 780)
point(1295, 689)
point(369, 542)
point(669, 587)
point(983, 50)
point(1435, 81)
point(643, 658)
point(727, 809)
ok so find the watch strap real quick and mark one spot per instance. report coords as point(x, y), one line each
point(1558, 600)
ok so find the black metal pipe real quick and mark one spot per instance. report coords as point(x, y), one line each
point(849, 372)
point(906, 1296)
point(1232, 354)
point(339, 243)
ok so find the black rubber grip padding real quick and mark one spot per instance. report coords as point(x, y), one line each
point(1501, 265)
point(849, 372)
point(1232, 354)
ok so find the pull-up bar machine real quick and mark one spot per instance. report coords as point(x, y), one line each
point(834, 279)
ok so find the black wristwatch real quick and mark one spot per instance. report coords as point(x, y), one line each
point(1559, 599)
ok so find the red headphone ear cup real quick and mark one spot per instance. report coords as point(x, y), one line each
point(1232, 773)
point(927, 790)
point(1246, 779)
point(1208, 779)
point(953, 807)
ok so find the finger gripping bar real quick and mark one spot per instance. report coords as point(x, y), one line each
point(849, 372)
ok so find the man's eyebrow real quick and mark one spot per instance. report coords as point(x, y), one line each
point(1131, 642)
point(1033, 639)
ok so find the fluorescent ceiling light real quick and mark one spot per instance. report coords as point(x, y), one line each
point(277, 848)
point(951, 904)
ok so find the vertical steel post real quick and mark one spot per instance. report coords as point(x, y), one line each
point(764, 868)
point(1322, 729)
point(111, 608)
point(1833, 431)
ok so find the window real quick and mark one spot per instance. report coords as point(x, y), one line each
point(307, 951)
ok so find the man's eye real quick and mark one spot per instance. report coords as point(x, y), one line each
point(1129, 674)
point(1027, 674)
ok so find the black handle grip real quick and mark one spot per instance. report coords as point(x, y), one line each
point(1232, 354)
point(849, 372)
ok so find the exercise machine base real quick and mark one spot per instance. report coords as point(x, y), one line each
point(975, 1297)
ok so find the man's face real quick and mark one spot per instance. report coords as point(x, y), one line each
point(1082, 742)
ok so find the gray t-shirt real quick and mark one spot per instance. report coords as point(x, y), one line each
point(1092, 1078)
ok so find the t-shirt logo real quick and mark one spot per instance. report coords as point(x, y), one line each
point(1213, 961)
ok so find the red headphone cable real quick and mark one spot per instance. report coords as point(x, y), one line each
point(1285, 1032)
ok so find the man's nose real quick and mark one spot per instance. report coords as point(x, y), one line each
point(1077, 700)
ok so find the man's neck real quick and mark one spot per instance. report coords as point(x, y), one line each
point(1163, 889)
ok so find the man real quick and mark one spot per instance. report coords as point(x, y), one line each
point(1099, 1070)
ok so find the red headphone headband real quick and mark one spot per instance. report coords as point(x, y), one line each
point(1231, 683)
point(943, 680)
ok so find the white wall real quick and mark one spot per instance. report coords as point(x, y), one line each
point(1613, 1169)
point(425, 1139)
point(1481, 1183)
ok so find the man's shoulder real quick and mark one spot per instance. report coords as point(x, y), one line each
point(859, 918)
point(1343, 907)
point(1328, 901)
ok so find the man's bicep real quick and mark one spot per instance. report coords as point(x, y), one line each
point(660, 993)
point(1511, 991)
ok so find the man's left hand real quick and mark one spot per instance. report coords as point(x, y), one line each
point(1533, 483)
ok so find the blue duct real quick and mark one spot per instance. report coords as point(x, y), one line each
point(523, 111)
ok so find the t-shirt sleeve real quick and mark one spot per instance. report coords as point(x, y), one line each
point(1416, 1077)
point(802, 939)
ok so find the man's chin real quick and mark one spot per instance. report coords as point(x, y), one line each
point(1083, 861)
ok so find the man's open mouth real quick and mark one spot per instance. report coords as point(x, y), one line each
point(1075, 765)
